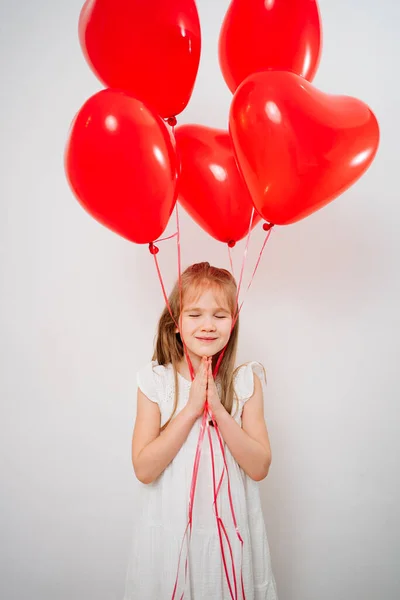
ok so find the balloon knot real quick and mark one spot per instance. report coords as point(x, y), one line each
point(268, 226)
point(153, 249)
point(232, 244)
point(172, 121)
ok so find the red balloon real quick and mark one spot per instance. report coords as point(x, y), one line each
point(121, 163)
point(297, 147)
point(261, 35)
point(211, 188)
point(149, 48)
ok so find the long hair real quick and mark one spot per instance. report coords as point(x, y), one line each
point(168, 346)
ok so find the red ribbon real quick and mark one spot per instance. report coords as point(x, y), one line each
point(205, 424)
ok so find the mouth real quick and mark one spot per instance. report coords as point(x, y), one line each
point(204, 339)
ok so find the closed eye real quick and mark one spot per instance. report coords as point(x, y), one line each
point(216, 316)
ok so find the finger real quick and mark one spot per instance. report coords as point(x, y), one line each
point(204, 368)
point(201, 372)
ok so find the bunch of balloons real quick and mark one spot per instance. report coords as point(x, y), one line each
point(290, 148)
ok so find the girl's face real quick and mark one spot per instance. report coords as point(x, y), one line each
point(206, 323)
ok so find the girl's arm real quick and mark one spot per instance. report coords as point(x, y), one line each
point(249, 444)
point(152, 451)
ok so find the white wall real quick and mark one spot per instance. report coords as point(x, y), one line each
point(79, 307)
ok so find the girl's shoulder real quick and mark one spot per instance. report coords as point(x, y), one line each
point(243, 379)
point(151, 379)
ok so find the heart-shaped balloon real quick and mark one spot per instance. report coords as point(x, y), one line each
point(297, 147)
point(148, 48)
point(258, 35)
point(211, 188)
point(121, 163)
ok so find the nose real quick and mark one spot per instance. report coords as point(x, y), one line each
point(207, 324)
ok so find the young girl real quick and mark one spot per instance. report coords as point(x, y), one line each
point(168, 421)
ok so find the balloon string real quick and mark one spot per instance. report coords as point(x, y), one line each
point(191, 502)
point(177, 235)
point(220, 523)
point(202, 429)
point(225, 469)
point(216, 492)
point(245, 256)
point(204, 424)
point(231, 261)
point(196, 470)
point(166, 299)
point(241, 305)
point(256, 267)
point(204, 420)
point(217, 429)
point(167, 238)
point(221, 356)
point(178, 241)
point(163, 288)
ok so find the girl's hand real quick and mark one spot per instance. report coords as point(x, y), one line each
point(198, 390)
point(213, 398)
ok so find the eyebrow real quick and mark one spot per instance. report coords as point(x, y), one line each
point(217, 309)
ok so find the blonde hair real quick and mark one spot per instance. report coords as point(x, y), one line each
point(168, 346)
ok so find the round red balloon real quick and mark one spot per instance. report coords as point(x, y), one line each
point(297, 147)
point(149, 48)
point(258, 35)
point(121, 163)
point(211, 188)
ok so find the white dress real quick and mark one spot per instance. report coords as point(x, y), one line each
point(161, 511)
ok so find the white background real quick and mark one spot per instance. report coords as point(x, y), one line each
point(79, 307)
